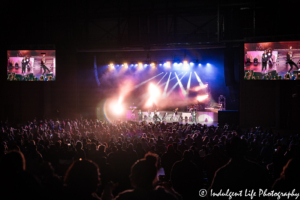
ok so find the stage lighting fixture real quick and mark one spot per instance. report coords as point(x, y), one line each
point(118, 109)
point(207, 64)
point(160, 64)
point(167, 64)
point(125, 65)
point(153, 65)
point(186, 65)
point(154, 93)
point(199, 64)
point(111, 66)
point(191, 64)
point(140, 65)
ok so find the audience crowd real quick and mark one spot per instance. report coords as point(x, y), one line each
point(93, 159)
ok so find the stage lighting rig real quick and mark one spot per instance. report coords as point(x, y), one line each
point(140, 65)
point(111, 66)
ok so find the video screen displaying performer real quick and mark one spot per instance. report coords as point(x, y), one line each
point(272, 61)
point(31, 65)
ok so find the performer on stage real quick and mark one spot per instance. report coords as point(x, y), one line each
point(194, 116)
point(149, 114)
point(270, 57)
point(175, 114)
point(28, 62)
point(264, 59)
point(191, 109)
point(43, 62)
point(155, 117)
point(133, 114)
point(180, 117)
point(165, 116)
point(140, 115)
point(24, 62)
point(290, 61)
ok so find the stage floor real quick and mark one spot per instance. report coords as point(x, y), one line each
point(37, 71)
point(215, 123)
point(209, 117)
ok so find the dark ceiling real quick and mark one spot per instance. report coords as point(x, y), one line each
point(127, 24)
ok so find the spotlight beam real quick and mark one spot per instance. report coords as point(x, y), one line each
point(189, 82)
point(161, 79)
point(169, 80)
point(142, 83)
point(166, 87)
point(180, 85)
point(198, 79)
point(175, 85)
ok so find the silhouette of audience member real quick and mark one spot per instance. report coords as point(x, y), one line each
point(278, 162)
point(132, 155)
point(182, 147)
point(185, 177)
point(80, 153)
point(106, 173)
point(143, 179)
point(121, 168)
point(51, 183)
point(213, 161)
point(82, 180)
point(93, 154)
point(189, 141)
point(175, 146)
point(289, 178)
point(33, 158)
point(168, 159)
point(16, 183)
point(102, 152)
point(140, 151)
point(238, 173)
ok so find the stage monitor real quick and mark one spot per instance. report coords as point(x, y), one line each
point(31, 65)
point(272, 61)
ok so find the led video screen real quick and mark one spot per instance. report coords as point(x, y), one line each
point(31, 65)
point(272, 61)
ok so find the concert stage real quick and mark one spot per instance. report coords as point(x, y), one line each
point(210, 117)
